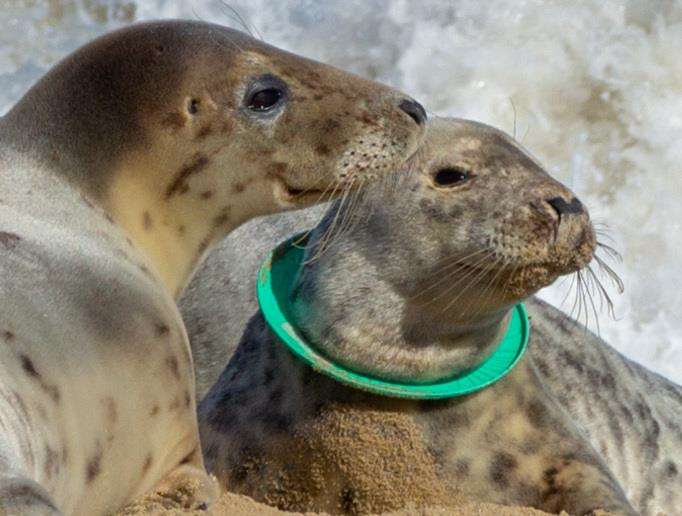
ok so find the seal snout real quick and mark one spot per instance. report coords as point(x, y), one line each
point(571, 243)
point(414, 110)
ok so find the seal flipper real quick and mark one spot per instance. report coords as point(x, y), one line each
point(21, 496)
point(196, 489)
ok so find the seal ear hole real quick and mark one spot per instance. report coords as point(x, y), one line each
point(193, 106)
point(450, 176)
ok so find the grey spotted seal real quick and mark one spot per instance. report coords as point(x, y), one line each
point(118, 171)
point(575, 426)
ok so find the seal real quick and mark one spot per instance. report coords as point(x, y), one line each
point(436, 265)
point(118, 172)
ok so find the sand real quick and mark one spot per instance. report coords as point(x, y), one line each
point(173, 503)
point(237, 505)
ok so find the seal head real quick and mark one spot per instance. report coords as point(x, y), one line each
point(478, 224)
point(183, 130)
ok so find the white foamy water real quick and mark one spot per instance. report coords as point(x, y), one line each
point(592, 88)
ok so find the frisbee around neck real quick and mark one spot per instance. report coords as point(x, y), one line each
point(274, 286)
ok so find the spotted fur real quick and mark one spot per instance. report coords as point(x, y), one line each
point(575, 426)
point(118, 171)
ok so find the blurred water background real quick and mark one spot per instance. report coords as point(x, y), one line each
point(592, 88)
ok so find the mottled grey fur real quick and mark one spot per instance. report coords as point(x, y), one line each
point(575, 426)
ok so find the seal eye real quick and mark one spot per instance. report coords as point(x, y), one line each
point(450, 176)
point(265, 99)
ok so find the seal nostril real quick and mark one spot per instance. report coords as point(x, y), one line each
point(415, 110)
point(561, 207)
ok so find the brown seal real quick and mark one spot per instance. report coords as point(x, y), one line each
point(118, 170)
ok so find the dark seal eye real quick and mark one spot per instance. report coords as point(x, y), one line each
point(265, 95)
point(264, 100)
point(450, 176)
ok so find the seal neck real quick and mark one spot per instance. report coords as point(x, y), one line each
point(274, 289)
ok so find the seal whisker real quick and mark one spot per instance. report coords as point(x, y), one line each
point(240, 19)
point(349, 220)
point(473, 281)
point(458, 266)
point(323, 242)
point(489, 291)
point(589, 287)
point(610, 273)
point(325, 196)
point(214, 38)
point(454, 262)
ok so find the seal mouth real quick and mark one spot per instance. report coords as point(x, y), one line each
point(304, 197)
point(297, 195)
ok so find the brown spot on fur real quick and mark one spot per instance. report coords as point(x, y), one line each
point(501, 466)
point(154, 410)
point(51, 462)
point(161, 329)
point(147, 221)
point(331, 125)
point(8, 335)
point(671, 469)
point(366, 118)
point(111, 410)
point(198, 163)
point(188, 399)
point(206, 195)
point(549, 477)
point(537, 413)
point(174, 120)
point(9, 240)
point(461, 467)
point(238, 187)
point(204, 132)
point(172, 363)
point(147, 464)
point(181, 230)
point(189, 457)
point(27, 365)
point(93, 467)
point(222, 218)
point(322, 149)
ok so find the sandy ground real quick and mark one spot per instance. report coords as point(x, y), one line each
point(236, 505)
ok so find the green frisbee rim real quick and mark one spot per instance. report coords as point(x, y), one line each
point(273, 292)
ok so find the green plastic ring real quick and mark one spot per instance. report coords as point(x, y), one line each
point(273, 292)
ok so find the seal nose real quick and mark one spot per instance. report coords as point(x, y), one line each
point(414, 110)
point(561, 207)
